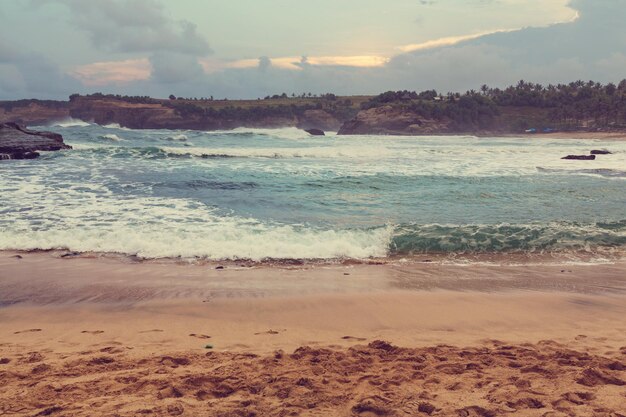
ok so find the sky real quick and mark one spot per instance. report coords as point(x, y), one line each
point(50, 49)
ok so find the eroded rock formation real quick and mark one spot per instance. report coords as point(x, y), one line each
point(17, 142)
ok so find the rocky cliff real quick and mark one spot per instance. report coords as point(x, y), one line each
point(389, 120)
point(148, 113)
point(17, 142)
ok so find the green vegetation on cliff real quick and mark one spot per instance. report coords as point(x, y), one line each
point(575, 106)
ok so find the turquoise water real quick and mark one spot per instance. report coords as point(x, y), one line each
point(258, 194)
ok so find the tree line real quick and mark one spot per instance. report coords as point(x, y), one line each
point(578, 104)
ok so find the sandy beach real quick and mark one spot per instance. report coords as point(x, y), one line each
point(83, 336)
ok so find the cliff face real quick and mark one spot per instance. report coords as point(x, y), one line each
point(17, 142)
point(166, 114)
point(33, 112)
point(389, 120)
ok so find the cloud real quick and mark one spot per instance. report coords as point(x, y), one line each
point(113, 72)
point(169, 57)
point(31, 74)
point(171, 67)
point(135, 26)
point(174, 47)
point(448, 41)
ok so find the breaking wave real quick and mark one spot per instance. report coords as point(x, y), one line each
point(71, 123)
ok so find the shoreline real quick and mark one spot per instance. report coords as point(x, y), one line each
point(599, 255)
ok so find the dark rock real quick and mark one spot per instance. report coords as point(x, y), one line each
point(315, 132)
point(600, 152)
point(17, 142)
point(580, 157)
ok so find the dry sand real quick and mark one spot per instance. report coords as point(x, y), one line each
point(91, 337)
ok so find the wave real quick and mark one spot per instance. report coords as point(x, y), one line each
point(559, 236)
point(602, 172)
point(275, 153)
point(167, 229)
point(111, 137)
point(160, 231)
point(177, 138)
point(290, 133)
point(115, 126)
point(71, 123)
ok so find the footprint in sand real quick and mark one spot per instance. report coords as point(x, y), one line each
point(199, 336)
point(93, 331)
point(152, 331)
point(28, 331)
point(357, 339)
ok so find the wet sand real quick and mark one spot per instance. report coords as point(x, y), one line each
point(84, 337)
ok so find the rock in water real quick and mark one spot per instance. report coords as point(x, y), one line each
point(17, 142)
point(315, 132)
point(601, 152)
point(580, 157)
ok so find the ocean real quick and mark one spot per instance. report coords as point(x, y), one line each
point(279, 194)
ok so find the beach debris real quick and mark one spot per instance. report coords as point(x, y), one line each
point(270, 331)
point(17, 256)
point(209, 346)
point(199, 336)
point(580, 157)
point(220, 267)
point(93, 331)
point(4, 361)
point(346, 273)
point(360, 339)
point(600, 152)
point(27, 331)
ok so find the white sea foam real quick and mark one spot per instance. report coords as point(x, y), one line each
point(111, 137)
point(115, 126)
point(291, 133)
point(71, 123)
point(302, 152)
point(90, 218)
point(178, 138)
